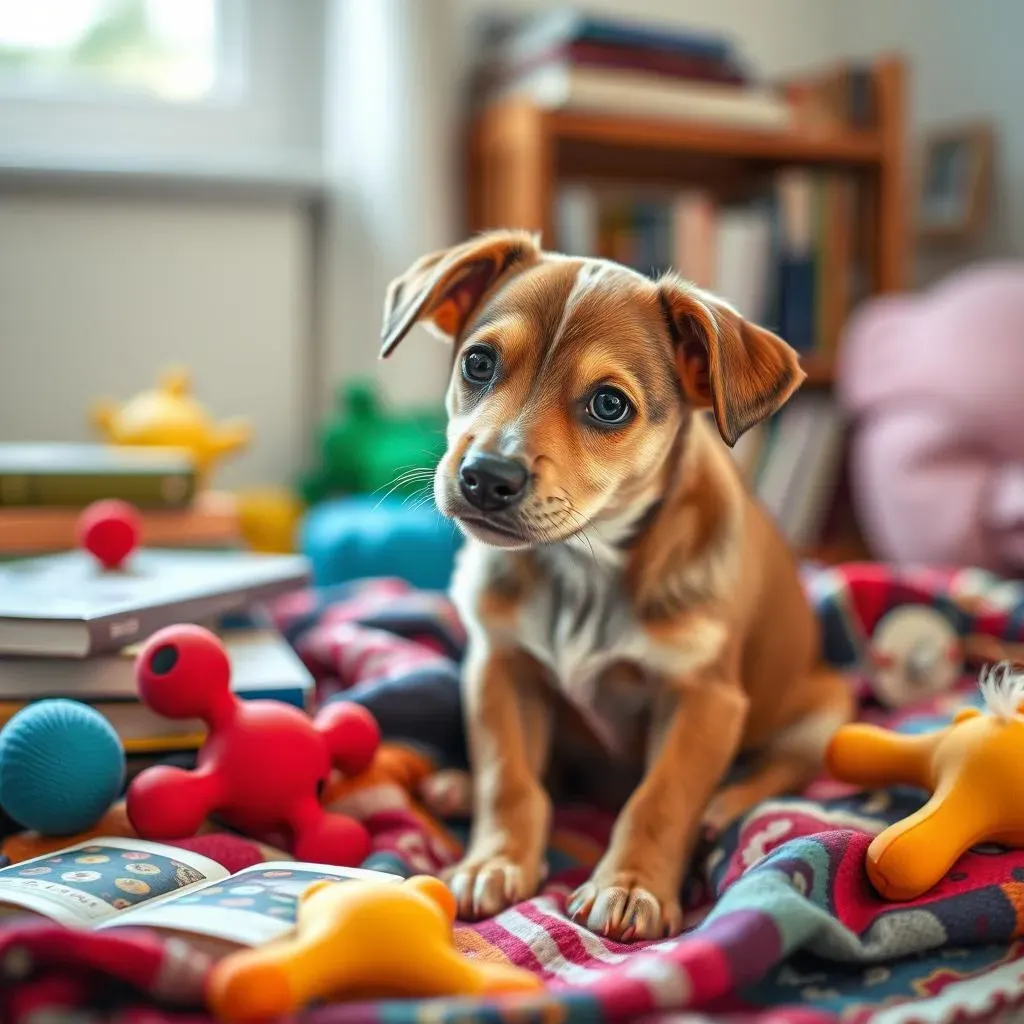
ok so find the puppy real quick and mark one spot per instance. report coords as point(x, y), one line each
point(616, 573)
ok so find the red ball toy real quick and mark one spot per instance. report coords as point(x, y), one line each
point(109, 530)
point(263, 763)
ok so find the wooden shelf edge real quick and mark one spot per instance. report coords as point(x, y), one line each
point(784, 145)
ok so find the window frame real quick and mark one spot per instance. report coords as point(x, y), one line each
point(263, 111)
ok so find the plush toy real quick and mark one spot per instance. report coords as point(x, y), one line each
point(974, 770)
point(361, 939)
point(366, 449)
point(168, 416)
point(263, 764)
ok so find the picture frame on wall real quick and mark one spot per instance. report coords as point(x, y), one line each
point(955, 182)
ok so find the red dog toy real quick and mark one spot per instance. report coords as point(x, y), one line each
point(263, 763)
point(109, 530)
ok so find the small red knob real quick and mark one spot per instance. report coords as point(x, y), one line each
point(109, 530)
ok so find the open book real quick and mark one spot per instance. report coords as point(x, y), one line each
point(122, 883)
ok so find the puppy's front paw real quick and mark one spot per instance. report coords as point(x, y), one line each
point(622, 906)
point(486, 886)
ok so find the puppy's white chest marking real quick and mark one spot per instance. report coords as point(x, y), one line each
point(581, 626)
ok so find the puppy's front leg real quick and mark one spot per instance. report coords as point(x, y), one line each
point(508, 723)
point(633, 893)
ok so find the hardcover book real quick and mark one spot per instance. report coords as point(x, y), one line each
point(73, 475)
point(67, 606)
point(211, 521)
point(263, 665)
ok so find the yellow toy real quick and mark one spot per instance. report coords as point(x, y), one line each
point(168, 416)
point(359, 940)
point(269, 519)
point(974, 769)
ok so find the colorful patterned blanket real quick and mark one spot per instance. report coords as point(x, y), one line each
point(783, 925)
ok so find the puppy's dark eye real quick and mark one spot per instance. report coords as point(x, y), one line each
point(609, 406)
point(479, 364)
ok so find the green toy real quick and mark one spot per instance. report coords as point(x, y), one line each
point(363, 449)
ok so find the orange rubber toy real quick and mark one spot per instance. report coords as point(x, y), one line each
point(359, 940)
point(974, 770)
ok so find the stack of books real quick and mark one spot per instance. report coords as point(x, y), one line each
point(569, 60)
point(44, 487)
point(69, 628)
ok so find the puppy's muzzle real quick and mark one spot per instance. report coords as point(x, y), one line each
point(492, 483)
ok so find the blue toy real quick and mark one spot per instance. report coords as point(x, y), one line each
point(61, 767)
point(364, 535)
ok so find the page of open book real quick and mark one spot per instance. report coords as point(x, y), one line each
point(100, 879)
point(251, 907)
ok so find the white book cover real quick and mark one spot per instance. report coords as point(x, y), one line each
point(782, 466)
point(743, 255)
point(808, 501)
point(576, 218)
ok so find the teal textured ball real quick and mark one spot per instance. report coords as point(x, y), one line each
point(61, 767)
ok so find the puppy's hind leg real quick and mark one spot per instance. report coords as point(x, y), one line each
point(794, 757)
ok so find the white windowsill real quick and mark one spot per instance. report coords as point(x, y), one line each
point(301, 179)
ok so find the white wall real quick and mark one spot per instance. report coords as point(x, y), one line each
point(97, 294)
point(393, 165)
point(966, 64)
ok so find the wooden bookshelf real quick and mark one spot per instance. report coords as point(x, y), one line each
point(519, 155)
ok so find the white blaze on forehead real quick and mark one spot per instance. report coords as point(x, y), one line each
point(591, 275)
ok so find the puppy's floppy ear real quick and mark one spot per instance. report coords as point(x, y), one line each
point(741, 371)
point(443, 288)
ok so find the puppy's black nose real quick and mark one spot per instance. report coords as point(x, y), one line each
point(491, 482)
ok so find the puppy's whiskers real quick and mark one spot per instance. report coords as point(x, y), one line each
point(404, 479)
point(423, 496)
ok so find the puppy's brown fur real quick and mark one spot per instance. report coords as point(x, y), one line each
point(636, 588)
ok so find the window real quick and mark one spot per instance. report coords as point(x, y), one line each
point(161, 82)
point(166, 49)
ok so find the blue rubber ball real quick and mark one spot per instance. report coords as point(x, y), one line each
point(61, 767)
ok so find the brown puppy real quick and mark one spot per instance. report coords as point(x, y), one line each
point(615, 569)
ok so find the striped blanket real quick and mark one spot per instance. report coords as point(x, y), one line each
point(782, 923)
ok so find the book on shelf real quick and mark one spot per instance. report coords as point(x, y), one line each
point(66, 605)
point(212, 520)
point(793, 465)
point(639, 94)
point(38, 474)
point(571, 60)
point(110, 882)
point(516, 40)
point(583, 53)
